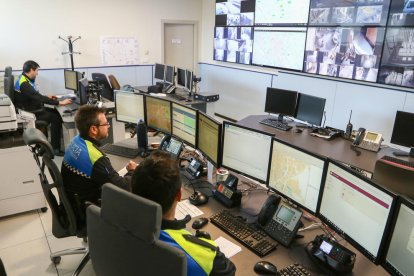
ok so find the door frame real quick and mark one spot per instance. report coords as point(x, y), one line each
point(195, 42)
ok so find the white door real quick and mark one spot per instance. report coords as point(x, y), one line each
point(179, 45)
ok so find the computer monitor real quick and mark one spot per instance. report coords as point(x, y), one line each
point(169, 74)
point(297, 174)
point(282, 102)
point(158, 114)
point(357, 208)
point(129, 106)
point(310, 109)
point(189, 80)
point(403, 132)
point(400, 250)
point(71, 79)
point(159, 71)
point(246, 151)
point(83, 91)
point(209, 138)
point(181, 73)
point(184, 123)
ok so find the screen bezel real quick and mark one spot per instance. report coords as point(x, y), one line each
point(394, 130)
point(220, 132)
point(77, 79)
point(132, 93)
point(196, 126)
point(165, 74)
point(385, 264)
point(322, 184)
point(360, 248)
point(189, 83)
point(146, 114)
point(81, 91)
point(272, 90)
point(155, 66)
point(222, 149)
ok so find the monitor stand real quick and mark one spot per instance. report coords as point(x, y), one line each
point(403, 153)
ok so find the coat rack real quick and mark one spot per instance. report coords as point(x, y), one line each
point(70, 42)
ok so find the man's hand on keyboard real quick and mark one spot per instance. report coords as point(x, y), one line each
point(131, 165)
point(65, 102)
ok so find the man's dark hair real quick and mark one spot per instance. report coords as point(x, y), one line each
point(87, 116)
point(157, 178)
point(29, 65)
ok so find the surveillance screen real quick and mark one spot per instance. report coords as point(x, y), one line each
point(346, 12)
point(281, 12)
point(401, 13)
point(233, 44)
point(235, 12)
point(351, 53)
point(281, 47)
point(397, 65)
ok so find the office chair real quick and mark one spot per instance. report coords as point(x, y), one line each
point(114, 82)
point(123, 237)
point(63, 216)
point(2, 269)
point(107, 91)
point(8, 71)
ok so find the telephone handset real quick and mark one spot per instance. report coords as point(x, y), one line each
point(170, 89)
point(171, 145)
point(368, 140)
point(279, 220)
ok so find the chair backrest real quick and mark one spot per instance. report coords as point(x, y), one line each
point(9, 87)
point(107, 91)
point(114, 82)
point(123, 237)
point(2, 269)
point(63, 216)
point(8, 71)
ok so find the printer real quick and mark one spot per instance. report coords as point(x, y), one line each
point(8, 120)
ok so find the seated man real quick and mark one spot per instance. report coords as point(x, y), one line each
point(158, 178)
point(85, 168)
point(27, 97)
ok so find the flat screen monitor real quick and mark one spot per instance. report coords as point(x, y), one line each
point(83, 91)
point(71, 79)
point(233, 44)
point(403, 131)
point(280, 47)
point(129, 107)
point(181, 77)
point(159, 71)
point(279, 101)
point(297, 174)
point(184, 123)
point(281, 12)
point(310, 109)
point(356, 208)
point(401, 13)
point(235, 13)
point(400, 252)
point(158, 114)
point(246, 151)
point(209, 138)
point(188, 80)
point(169, 74)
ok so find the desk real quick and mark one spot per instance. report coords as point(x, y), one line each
point(281, 257)
point(337, 148)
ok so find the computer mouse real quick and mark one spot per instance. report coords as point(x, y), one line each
point(298, 130)
point(199, 223)
point(265, 268)
point(67, 111)
point(198, 198)
point(203, 234)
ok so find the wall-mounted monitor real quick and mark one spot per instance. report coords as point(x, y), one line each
point(235, 13)
point(209, 138)
point(246, 151)
point(233, 44)
point(297, 174)
point(129, 106)
point(357, 209)
point(184, 123)
point(159, 71)
point(401, 13)
point(310, 109)
point(281, 47)
point(281, 12)
point(158, 114)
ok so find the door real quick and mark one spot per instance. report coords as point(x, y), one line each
point(179, 45)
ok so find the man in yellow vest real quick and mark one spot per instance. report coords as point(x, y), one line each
point(158, 178)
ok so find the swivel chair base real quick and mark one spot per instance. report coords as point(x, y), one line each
point(56, 257)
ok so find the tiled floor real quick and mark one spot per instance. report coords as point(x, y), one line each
point(26, 241)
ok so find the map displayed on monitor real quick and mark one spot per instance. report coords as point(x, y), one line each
point(281, 12)
point(281, 47)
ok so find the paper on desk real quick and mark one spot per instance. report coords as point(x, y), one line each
point(184, 208)
point(228, 248)
point(123, 171)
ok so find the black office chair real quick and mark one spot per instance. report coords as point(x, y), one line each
point(2, 269)
point(9, 87)
point(8, 71)
point(63, 216)
point(107, 91)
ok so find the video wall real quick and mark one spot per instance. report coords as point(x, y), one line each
point(365, 40)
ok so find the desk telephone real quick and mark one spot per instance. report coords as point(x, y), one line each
point(279, 220)
point(368, 140)
point(171, 145)
point(226, 192)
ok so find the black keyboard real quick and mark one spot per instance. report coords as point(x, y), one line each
point(276, 124)
point(254, 239)
point(178, 97)
point(397, 161)
point(293, 269)
point(120, 151)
